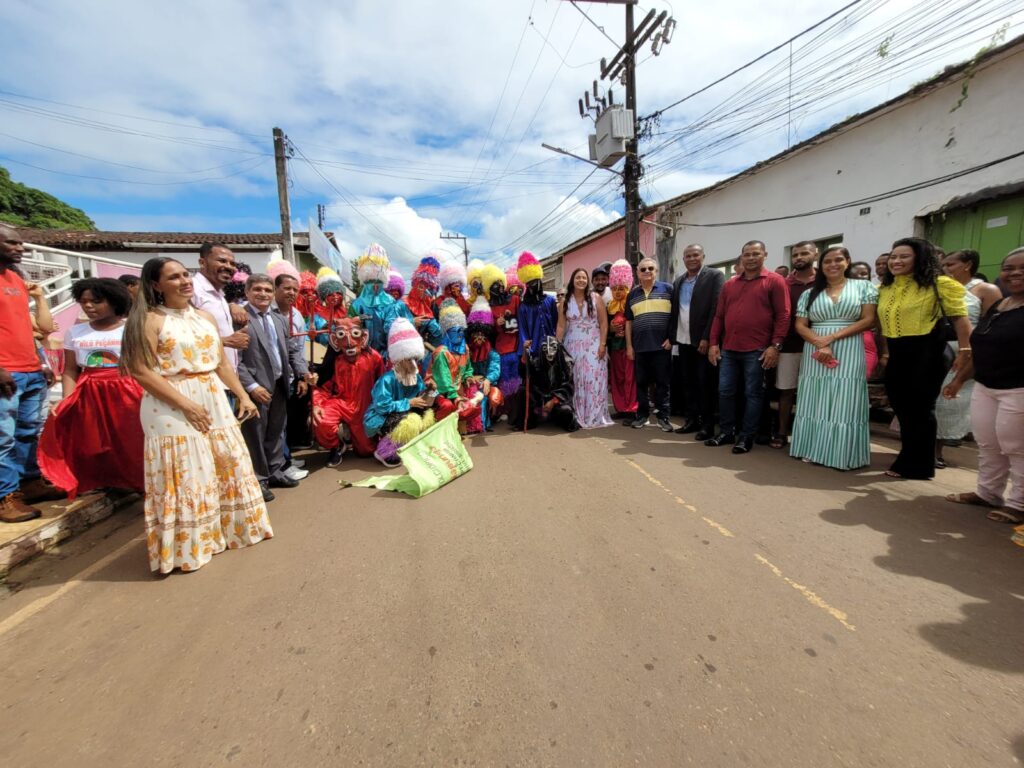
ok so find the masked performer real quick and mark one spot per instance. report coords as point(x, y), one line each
point(484, 358)
point(550, 377)
point(452, 374)
point(505, 308)
point(538, 313)
point(452, 279)
point(341, 400)
point(475, 280)
point(420, 300)
point(515, 285)
point(401, 406)
point(395, 287)
point(620, 367)
point(374, 307)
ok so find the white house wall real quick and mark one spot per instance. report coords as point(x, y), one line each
point(913, 142)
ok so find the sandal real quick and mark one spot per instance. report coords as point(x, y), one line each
point(1006, 515)
point(969, 498)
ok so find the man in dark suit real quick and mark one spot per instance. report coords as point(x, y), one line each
point(694, 299)
point(265, 368)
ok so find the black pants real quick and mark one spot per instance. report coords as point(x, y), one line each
point(913, 380)
point(653, 368)
point(698, 385)
point(299, 414)
point(264, 436)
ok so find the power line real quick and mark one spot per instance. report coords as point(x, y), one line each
point(129, 181)
point(871, 199)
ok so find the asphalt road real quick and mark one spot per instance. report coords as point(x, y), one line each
point(600, 599)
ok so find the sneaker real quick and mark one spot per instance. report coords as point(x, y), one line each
point(294, 473)
point(638, 423)
point(665, 424)
point(390, 463)
point(298, 463)
point(335, 457)
point(13, 509)
point(40, 490)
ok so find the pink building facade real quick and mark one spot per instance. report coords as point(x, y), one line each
point(603, 246)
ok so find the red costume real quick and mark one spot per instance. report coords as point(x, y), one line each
point(345, 396)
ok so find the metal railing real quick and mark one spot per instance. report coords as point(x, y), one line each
point(56, 270)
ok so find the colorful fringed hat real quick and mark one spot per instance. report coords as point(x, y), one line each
point(512, 279)
point(373, 266)
point(278, 267)
point(490, 276)
point(427, 272)
point(404, 341)
point(452, 272)
point(307, 281)
point(450, 316)
point(529, 268)
point(621, 274)
point(395, 283)
point(327, 283)
point(480, 319)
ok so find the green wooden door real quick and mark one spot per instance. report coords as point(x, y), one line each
point(993, 229)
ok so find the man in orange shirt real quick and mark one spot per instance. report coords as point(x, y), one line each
point(23, 390)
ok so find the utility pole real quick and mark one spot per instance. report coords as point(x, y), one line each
point(623, 67)
point(631, 171)
point(465, 246)
point(282, 151)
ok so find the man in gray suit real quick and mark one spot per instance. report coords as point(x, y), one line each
point(265, 368)
point(694, 299)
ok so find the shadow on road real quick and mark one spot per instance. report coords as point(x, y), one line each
point(955, 545)
point(1018, 748)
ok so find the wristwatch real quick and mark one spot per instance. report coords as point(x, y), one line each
point(778, 347)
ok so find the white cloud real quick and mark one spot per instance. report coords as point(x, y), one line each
point(402, 107)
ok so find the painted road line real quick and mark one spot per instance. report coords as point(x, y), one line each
point(30, 610)
point(811, 596)
point(716, 525)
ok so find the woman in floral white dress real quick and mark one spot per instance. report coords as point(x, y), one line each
point(201, 494)
point(583, 328)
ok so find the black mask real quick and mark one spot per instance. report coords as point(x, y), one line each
point(534, 292)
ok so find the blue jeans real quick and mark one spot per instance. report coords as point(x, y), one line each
point(734, 367)
point(20, 420)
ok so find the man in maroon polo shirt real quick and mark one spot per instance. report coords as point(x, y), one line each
point(751, 321)
point(787, 374)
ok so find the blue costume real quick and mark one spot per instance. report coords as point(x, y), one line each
point(378, 311)
point(537, 322)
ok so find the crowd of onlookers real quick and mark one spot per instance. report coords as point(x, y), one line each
point(196, 388)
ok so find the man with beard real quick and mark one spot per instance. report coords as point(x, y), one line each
point(216, 269)
point(599, 280)
point(400, 407)
point(341, 400)
point(551, 387)
point(787, 372)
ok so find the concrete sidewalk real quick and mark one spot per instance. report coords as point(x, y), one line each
point(20, 542)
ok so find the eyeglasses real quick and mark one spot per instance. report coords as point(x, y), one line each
point(645, 269)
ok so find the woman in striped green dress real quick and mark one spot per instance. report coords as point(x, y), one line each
point(831, 425)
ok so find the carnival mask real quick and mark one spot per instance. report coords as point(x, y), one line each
point(477, 286)
point(620, 292)
point(549, 348)
point(406, 372)
point(534, 291)
point(498, 295)
point(349, 337)
point(425, 288)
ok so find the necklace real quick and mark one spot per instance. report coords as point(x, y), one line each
point(833, 291)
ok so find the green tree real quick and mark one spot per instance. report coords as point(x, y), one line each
point(25, 206)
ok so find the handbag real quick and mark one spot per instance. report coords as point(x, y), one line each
point(943, 326)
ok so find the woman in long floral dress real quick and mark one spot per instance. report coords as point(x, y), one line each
point(202, 496)
point(583, 329)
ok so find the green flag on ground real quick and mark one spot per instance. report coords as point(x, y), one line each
point(432, 459)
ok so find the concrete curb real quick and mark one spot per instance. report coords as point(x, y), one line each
point(76, 517)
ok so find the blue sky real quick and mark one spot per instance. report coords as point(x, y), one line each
point(431, 119)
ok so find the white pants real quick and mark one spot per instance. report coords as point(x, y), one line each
point(997, 419)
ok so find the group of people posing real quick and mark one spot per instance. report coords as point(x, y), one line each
point(173, 389)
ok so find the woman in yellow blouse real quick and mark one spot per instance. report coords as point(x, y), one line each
point(912, 299)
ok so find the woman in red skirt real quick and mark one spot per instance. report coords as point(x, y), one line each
point(93, 439)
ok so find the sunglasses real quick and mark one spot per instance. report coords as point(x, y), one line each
point(645, 269)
